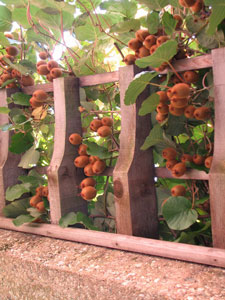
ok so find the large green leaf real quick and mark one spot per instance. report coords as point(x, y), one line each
point(125, 8)
point(169, 23)
point(4, 110)
point(21, 99)
point(137, 86)
point(73, 218)
point(149, 105)
point(22, 219)
point(176, 125)
point(126, 26)
point(87, 32)
point(162, 54)
point(29, 159)
point(16, 208)
point(217, 15)
point(19, 15)
point(21, 142)
point(178, 213)
point(153, 22)
point(96, 150)
point(4, 41)
point(16, 191)
point(5, 19)
point(155, 136)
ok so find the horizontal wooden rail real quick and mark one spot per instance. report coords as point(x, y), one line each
point(185, 252)
point(47, 87)
point(92, 80)
point(189, 174)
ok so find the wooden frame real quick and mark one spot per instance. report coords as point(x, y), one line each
point(136, 211)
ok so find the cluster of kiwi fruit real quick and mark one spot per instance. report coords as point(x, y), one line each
point(50, 69)
point(177, 163)
point(10, 73)
point(37, 200)
point(92, 165)
point(38, 98)
point(102, 126)
point(177, 101)
point(194, 5)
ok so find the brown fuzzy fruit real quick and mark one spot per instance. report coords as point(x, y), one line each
point(176, 111)
point(75, 139)
point(95, 124)
point(141, 34)
point(35, 103)
point(179, 102)
point(35, 200)
point(88, 170)
point(42, 70)
point(40, 95)
point(189, 111)
point(169, 153)
point(6, 77)
point(134, 44)
point(87, 182)
point(162, 39)
point(98, 167)
point(12, 51)
point(153, 48)
point(129, 59)
point(208, 162)
point(81, 161)
point(198, 159)
point(180, 90)
point(171, 163)
point(41, 62)
point(143, 52)
point(190, 76)
point(197, 6)
point(178, 190)
point(104, 131)
point(93, 159)
point(179, 21)
point(186, 157)
point(169, 93)
point(41, 207)
point(107, 121)
point(52, 64)
point(88, 193)
point(43, 55)
point(38, 191)
point(45, 191)
point(27, 80)
point(15, 74)
point(56, 72)
point(202, 113)
point(49, 77)
point(82, 150)
point(179, 169)
point(187, 3)
point(11, 85)
point(163, 109)
point(163, 98)
point(149, 41)
point(160, 118)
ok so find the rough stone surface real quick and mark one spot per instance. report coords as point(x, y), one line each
point(34, 267)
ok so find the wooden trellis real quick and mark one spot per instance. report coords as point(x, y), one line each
point(133, 176)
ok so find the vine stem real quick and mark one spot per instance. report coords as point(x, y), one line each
point(175, 72)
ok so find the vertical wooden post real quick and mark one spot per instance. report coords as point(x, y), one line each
point(134, 188)
point(217, 171)
point(9, 170)
point(63, 176)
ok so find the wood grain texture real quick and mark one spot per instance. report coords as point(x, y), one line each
point(9, 161)
point(133, 176)
point(47, 87)
point(217, 171)
point(190, 253)
point(189, 174)
point(91, 80)
point(63, 177)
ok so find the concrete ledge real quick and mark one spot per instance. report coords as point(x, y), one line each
point(33, 267)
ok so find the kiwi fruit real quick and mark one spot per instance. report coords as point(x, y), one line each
point(149, 41)
point(141, 34)
point(75, 139)
point(198, 159)
point(40, 95)
point(129, 59)
point(43, 55)
point(162, 39)
point(27, 80)
point(163, 98)
point(190, 76)
point(179, 102)
point(82, 150)
point(41, 207)
point(160, 118)
point(52, 64)
point(45, 191)
point(178, 190)
point(95, 124)
point(87, 182)
point(179, 169)
point(171, 163)
point(98, 167)
point(202, 113)
point(56, 72)
point(163, 109)
point(175, 111)
point(81, 161)
point(186, 158)
point(180, 90)
point(88, 193)
point(42, 69)
point(104, 131)
point(179, 21)
point(35, 200)
point(107, 121)
point(169, 153)
point(189, 111)
point(208, 162)
point(12, 50)
point(134, 44)
point(88, 171)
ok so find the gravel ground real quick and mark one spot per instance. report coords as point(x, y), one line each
point(34, 267)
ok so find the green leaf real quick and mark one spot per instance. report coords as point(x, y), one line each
point(22, 219)
point(29, 159)
point(126, 26)
point(169, 23)
point(16, 191)
point(44, 128)
point(34, 212)
point(154, 4)
point(178, 213)
point(149, 105)
point(73, 218)
point(176, 125)
point(96, 150)
point(87, 32)
point(137, 86)
point(6, 127)
point(29, 65)
point(16, 208)
point(217, 15)
point(124, 8)
point(188, 237)
point(4, 41)
point(4, 110)
point(34, 181)
point(21, 142)
point(5, 19)
point(23, 70)
point(21, 99)
point(155, 136)
point(162, 54)
point(153, 22)
point(19, 15)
